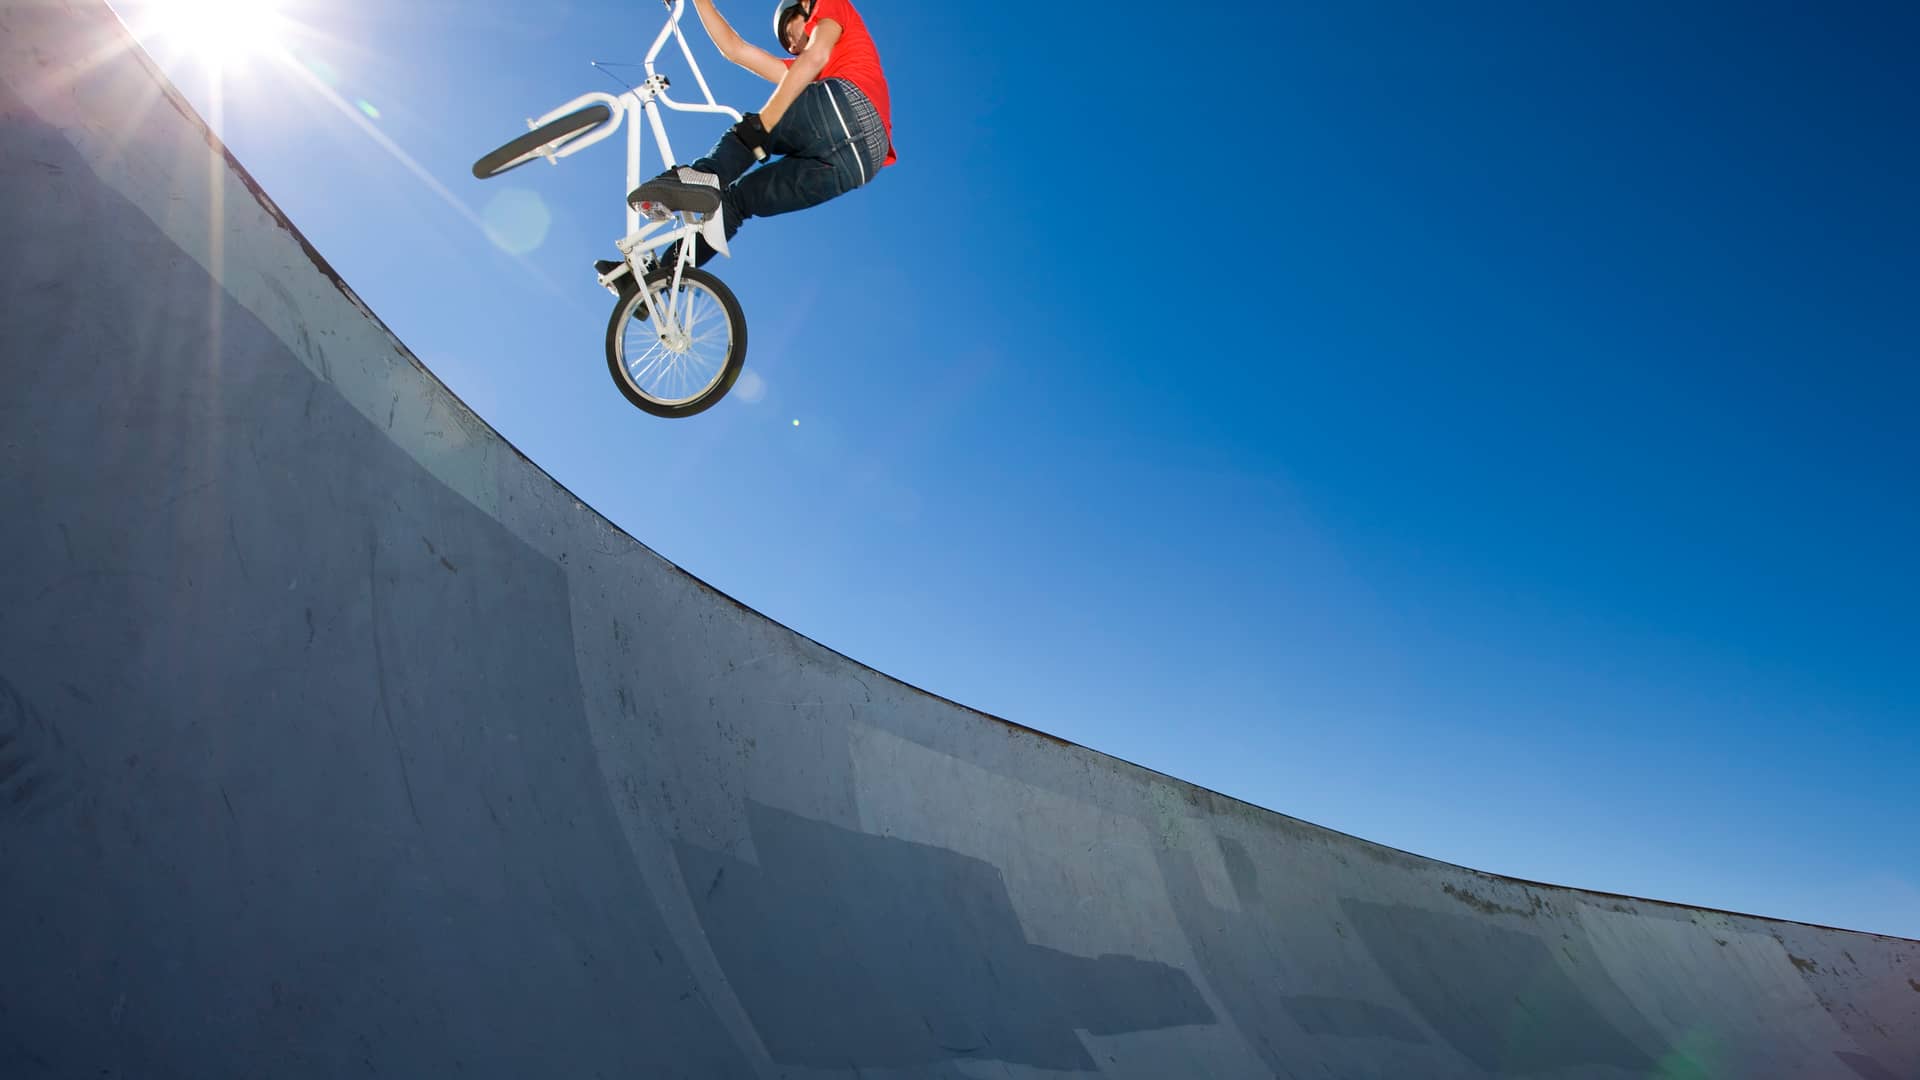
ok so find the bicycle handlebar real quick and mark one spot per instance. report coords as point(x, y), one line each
point(675, 8)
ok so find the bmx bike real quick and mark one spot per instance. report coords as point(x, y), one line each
point(677, 338)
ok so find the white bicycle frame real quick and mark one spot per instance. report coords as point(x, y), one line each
point(646, 100)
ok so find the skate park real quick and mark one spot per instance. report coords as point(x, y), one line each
point(336, 736)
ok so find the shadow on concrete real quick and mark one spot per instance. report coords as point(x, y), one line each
point(1496, 995)
point(851, 950)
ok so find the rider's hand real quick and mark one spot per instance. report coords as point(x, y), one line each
point(750, 131)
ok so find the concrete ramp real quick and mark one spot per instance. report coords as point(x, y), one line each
point(338, 739)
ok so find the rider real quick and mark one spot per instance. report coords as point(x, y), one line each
point(829, 116)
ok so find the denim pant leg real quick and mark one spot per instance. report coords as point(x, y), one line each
point(728, 159)
point(818, 164)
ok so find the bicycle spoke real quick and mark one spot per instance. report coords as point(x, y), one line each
point(693, 354)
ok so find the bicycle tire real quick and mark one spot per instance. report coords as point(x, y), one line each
point(526, 148)
point(624, 320)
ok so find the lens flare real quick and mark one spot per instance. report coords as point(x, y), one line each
point(222, 31)
point(751, 388)
point(517, 220)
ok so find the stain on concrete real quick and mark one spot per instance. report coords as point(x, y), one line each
point(1492, 907)
point(1866, 1067)
point(37, 773)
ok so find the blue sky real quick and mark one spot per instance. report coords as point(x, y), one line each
point(1485, 429)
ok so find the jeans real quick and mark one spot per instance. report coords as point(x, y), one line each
point(831, 141)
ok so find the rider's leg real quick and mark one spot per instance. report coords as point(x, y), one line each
point(726, 162)
point(729, 159)
point(789, 184)
point(803, 131)
point(828, 152)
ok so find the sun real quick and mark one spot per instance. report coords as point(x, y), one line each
point(221, 32)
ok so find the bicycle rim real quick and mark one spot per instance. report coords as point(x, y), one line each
point(547, 138)
point(687, 361)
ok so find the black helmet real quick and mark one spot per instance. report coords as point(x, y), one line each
point(786, 9)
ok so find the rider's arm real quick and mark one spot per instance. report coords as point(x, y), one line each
point(736, 48)
point(798, 75)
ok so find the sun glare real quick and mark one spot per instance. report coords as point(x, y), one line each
point(222, 31)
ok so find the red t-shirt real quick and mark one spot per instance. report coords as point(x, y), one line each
point(854, 59)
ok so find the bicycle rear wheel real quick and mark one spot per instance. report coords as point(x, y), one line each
point(549, 136)
point(690, 365)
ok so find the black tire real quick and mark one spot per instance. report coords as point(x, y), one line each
point(630, 316)
point(526, 147)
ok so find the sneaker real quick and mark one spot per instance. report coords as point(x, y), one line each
point(679, 189)
point(603, 267)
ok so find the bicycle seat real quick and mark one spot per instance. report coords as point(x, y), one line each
point(683, 190)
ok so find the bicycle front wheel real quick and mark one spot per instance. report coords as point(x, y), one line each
point(684, 358)
point(548, 137)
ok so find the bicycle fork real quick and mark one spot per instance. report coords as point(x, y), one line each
point(666, 324)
